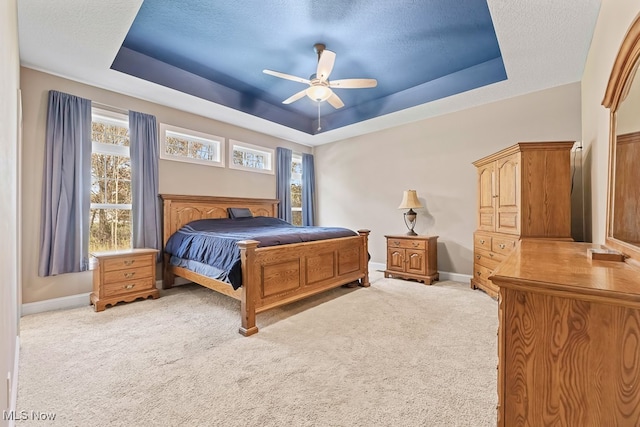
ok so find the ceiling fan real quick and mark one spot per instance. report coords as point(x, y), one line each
point(319, 85)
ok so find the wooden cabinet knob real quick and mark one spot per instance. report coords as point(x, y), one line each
point(128, 261)
point(128, 286)
point(477, 256)
point(482, 241)
point(502, 245)
point(129, 275)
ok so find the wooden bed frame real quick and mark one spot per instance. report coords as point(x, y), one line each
point(271, 276)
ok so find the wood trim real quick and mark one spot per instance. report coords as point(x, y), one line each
point(524, 146)
point(622, 74)
point(624, 67)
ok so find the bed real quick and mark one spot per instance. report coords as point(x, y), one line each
point(271, 276)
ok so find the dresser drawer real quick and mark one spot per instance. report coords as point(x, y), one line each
point(112, 289)
point(128, 262)
point(482, 241)
point(487, 259)
point(481, 273)
point(128, 274)
point(503, 245)
point(406, 243)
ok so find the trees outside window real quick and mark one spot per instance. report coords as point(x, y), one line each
point(296, 189)
point(110, 215)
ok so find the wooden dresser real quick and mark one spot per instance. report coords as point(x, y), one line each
point(569, 338)
point(123, 276)
point(523, 191)
point(412, 257)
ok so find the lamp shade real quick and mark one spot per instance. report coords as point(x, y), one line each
point(410, 200)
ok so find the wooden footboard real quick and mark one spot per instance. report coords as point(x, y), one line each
point(277, 275)
point(271, 276)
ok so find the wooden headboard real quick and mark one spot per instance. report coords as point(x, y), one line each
point(179, 210)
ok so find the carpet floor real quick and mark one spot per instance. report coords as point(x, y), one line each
point(396, 354)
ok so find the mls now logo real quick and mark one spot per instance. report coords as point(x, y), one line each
point(28, 415)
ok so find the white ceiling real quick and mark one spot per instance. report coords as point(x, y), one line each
point(544, 43)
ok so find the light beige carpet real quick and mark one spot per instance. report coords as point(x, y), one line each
point(396, 354)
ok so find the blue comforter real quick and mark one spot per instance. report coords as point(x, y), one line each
point(214, 241)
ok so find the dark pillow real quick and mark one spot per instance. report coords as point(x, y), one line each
point(239, 213)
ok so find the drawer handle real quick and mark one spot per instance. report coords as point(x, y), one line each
point(128, 261)
point(128, 286)
point(491, 255)
point(502, 245)
point(478, 256)
point(482, 241)
point(415, 244)
point(129, 275)
point(397, 243)
point(478, 273)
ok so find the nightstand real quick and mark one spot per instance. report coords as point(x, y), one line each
point(123, 276)
point(412, 257)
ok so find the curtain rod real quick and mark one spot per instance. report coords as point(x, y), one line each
point(109, 108)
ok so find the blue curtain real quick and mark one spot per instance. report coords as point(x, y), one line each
point(283, 183)
point(308, 189)
point(145, 209)
point(66, 186)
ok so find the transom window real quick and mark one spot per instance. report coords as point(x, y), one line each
point(110, 215)
point(185, 145)
point(250, 157)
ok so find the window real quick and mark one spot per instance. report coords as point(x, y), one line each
point(250, 157)
point(186, 145)
point(296, 189)
point(110, 220)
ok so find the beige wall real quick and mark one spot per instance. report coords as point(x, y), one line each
point(175, 177)
point(613, 21)
point(9, 172)
point(360, 180)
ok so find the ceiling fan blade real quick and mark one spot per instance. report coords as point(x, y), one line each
point(325, 65)
point(295, 97)
point(353, 83)
point(286, 76)
point(335, 101)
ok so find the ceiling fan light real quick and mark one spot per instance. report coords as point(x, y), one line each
point(319, 93)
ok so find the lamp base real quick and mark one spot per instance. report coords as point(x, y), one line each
point(410, 222)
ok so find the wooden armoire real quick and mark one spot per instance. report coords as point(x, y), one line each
point(523, 191)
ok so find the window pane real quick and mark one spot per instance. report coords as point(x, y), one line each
point(110, 134)
point(176, 146)
point(109, 229)
point(296, 195)
point(110, 179)
point(296, 217)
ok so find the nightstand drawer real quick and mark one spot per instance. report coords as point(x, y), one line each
point(123, 276)
point(120, 263)
point(112, 289)
point(406, 243)
point(128, 274)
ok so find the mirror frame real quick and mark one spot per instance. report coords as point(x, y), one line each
point(620, 80)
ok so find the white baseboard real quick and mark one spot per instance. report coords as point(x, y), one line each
point(455, 277)
point(444, 275)
point(63, 303)
point(373, 266)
